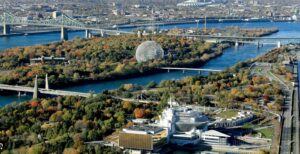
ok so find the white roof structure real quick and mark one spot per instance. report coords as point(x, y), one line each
point(193, 3)
point(215, 133)
point(149, 50)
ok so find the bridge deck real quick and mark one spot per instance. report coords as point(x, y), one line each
point(44, 91)
point(190, 69)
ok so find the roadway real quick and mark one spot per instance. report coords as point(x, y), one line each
point(190, 69)
point(43, 91)
point(286, 128)
point(289, 136)
point(295, 115)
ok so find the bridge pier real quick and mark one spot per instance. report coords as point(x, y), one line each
point(35, 89)
point(88, 34)
point(236, 44)
point(102, 33)
point(6, 29)
point(64, 33)
point(278, 44)
point(139, 34)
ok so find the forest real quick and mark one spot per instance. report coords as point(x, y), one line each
point(65, 124)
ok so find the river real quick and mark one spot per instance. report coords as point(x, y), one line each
point(230, 56)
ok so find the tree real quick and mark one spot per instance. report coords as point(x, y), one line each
point(70, 151)
point(127, 106)
point(67, 116)
point(139, 113)
point(151, 84)
point(289, 76)
point(36, 149)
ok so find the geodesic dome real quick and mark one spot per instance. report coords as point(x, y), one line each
point(149, 50)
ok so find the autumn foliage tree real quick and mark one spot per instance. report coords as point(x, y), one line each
point(139, 113)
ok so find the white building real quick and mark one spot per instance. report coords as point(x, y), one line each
point(215, 137)
point(193, 3)
point(56, 14)
point(183, 123)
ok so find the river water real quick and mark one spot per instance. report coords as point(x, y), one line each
point(230, 56)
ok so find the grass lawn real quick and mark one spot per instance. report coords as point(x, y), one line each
point(249, 126)
point(227, 114)
point(266, 133)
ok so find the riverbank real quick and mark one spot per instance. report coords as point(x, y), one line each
point(192, 21)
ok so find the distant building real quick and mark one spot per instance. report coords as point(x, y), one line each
point(142, 139)
point(193, 3)
point(56, 14)
point(295, 17)
point(49, 60)
point(115, 12)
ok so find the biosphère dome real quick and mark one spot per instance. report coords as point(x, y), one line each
point(149, 50)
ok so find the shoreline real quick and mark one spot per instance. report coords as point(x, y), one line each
point(124, 26)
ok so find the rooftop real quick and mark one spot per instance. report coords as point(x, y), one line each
point(143, 129)
point(215, 133)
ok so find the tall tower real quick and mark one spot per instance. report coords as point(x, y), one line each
point(35, 89)
point(46, 82)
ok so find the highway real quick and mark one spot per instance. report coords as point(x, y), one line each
point(295, 115)
point(286, 128)
point(289, 137)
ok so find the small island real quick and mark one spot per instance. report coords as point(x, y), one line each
point(98, 59)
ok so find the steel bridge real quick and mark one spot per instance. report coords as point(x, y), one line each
point(242, 40)
point(64, 22)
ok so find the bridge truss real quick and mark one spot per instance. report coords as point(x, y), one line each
point(61, 21)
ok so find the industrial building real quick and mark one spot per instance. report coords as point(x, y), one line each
point(143, 139)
